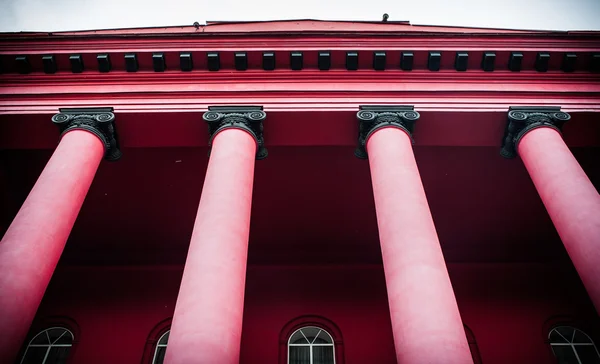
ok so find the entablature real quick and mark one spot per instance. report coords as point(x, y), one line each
point(276, 50)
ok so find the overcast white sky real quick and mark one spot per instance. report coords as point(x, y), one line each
point(53, 15)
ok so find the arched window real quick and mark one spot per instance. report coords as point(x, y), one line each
point(156, 344)
point(161, 348)
point(573, 346)
point(311, 345)
point(298, 336)
point(51, 346)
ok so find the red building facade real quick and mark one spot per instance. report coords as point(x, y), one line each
point(374, 193)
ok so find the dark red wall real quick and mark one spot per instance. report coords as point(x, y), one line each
point(505, 305)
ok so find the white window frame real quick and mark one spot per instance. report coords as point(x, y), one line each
point(310, 345)
point(571, 343)
point(50, 345)
point(159, 345)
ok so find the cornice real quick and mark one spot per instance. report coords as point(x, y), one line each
point(275, 59)
point(301, 88)
point(216, 42)
point(308, 76)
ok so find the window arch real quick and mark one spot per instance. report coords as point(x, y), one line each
point(156, 344)
point(50, 346)
point(311, 345)
point(305, 332)
point(161, 348)
point(472, 345)
point(571, 345)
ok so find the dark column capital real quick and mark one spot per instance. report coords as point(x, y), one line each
point(374, 117)
point(523, 119)
point(247, 118)
point(98, 121)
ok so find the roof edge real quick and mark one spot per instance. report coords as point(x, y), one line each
point(303, 25)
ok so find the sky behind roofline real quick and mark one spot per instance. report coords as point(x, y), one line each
point(56, 15)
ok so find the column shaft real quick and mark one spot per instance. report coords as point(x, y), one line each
point(33, 244)
point(571, 200)
point(207, 323)
point(426, 322)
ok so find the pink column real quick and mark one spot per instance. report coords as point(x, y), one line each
point(573, 203)
point(426, 322)
point(31, 248)
point(207, 324)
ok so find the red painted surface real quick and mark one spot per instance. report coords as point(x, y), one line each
point(425, 319)
point(141, 210)
point(505, 305)
point(34, 242)
point(207, 323)
point(313, 235)
point(572, 201)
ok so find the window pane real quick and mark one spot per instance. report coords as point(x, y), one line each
point(165, 338)
point(564, 354)
point(580, 337)
point(160, 355)
point(310, 333)
point(56, 333)
point(566, 331)
point(58, 355)
point(324, 336)
point(299, 355)
point(556, 338)
point(40, 339)
point(587, 354)
point(298, 338)
point(322, 354)
point(35, 355)
point(65, 339)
